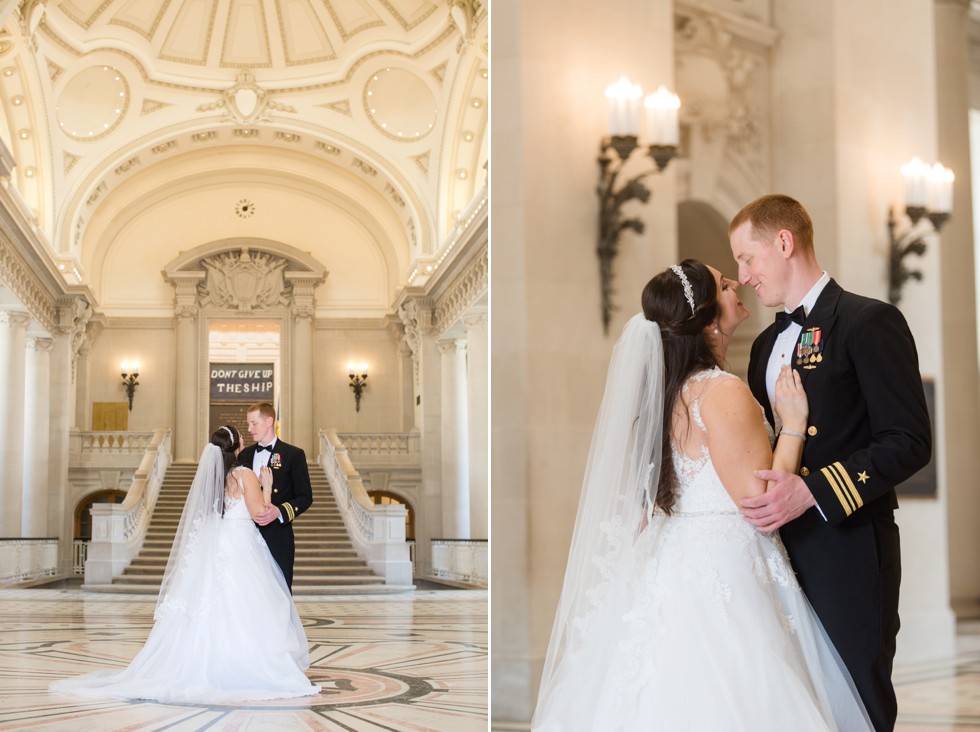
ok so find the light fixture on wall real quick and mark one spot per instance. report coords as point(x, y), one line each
point(130, 374)
point(623, 100)
point(929, 194)
point(358, 382)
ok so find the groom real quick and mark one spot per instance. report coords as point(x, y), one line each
point(291, 491)
point(868, 431)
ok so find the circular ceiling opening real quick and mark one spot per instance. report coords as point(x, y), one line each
point(92, 103)
point(400, 104)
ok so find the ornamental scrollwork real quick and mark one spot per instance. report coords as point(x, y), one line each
point(244, 281)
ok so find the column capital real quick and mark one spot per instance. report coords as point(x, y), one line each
point(11, 317)
point(40, 343)
point(475, 320)
point(451, 345)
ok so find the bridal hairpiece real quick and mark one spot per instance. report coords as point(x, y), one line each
point(688, 290)
point(230, 433)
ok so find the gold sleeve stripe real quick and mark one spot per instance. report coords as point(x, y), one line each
point(849, 484)
point(848, 510)
point(290, 511)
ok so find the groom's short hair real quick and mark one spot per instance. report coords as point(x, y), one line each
point(263, 408)
point(774, 212)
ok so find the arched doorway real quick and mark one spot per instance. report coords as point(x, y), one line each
point(83, 517)
point(387, 498)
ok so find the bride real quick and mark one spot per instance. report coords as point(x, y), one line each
point(676, 614)
point(226, 629)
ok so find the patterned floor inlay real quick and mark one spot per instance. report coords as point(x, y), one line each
point(414, 662)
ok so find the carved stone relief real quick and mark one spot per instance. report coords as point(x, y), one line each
point(721, 78)
point(243, 281)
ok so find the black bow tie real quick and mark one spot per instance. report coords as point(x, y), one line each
point(783, 319)
point(260, 448)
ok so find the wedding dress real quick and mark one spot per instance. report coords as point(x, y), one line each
point(226, 627)
point(692, 621)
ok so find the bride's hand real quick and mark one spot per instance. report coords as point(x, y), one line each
point(791, 403)
point(265, 481)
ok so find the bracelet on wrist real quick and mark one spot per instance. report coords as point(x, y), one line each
point(793, 433)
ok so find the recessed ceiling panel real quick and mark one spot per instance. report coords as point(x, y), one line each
point(303, 36)
point(190, 34)
point(92, 103)
point(400, 104)
point(246, 41)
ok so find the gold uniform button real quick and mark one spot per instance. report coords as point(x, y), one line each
point(275, 490)
point(811, 430)
point(804, 472)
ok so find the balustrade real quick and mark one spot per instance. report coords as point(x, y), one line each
point(23, 560)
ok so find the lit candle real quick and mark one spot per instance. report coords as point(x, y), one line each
point(915, 173)
point(623, 103)
point(940, 189)
point(662, 109)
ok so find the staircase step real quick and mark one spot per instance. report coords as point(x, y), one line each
point(326, 562)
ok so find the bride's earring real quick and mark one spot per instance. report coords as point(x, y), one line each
point(716, 328)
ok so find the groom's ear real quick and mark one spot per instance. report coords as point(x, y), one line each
point(786, 242)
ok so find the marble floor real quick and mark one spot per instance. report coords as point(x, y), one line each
point(942, 696)
point(414, 661)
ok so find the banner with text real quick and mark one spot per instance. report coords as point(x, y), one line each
point(241, 382)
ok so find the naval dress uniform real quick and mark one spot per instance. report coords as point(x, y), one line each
point(868, 431)
point(291, 492)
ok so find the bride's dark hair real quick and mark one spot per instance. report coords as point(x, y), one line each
point(686, 347)
point(228, 440)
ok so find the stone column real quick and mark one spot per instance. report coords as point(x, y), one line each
point(37, 429)
point(60, 512)
point(300, 425)
point(477, 393)
point(455, 441)
point(13, 335)
point(83, 399)
point(960, 417)
point(186, 410)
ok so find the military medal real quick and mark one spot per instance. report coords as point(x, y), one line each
point(808, 349)
point(275, 462)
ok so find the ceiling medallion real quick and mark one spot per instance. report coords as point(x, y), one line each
point(245, 209)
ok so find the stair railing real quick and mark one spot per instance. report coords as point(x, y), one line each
point(377, 532)
point(118, 530)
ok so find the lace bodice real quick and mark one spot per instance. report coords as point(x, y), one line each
point(235, 507)
point(699, 487)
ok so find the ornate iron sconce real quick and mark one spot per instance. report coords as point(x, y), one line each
point(130, 374)
point(358, 382)
point(614, 150)
point(922, 184)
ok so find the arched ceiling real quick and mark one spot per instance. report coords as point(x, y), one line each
point(384, 99)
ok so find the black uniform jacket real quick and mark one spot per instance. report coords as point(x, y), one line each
point(291, 489)
point(869, 427)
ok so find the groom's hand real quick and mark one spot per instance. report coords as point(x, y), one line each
point(786, 498)
point(269, 514)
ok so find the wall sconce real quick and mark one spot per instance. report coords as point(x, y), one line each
point(623, 100)
point(928, 193)
point(358, 382)
point(130, 374)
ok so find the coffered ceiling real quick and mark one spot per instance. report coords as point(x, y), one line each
point(115, 111)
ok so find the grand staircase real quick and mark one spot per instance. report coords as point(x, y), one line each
point(326, 562)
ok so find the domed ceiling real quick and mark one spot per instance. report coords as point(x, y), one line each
point(379, 103)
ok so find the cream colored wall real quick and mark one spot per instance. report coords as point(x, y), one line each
point(152, 343)
point(551, 63)
point(851, 104)
point(383, 404)
point(313, 207)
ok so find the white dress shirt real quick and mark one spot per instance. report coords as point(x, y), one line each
point(785, 345)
